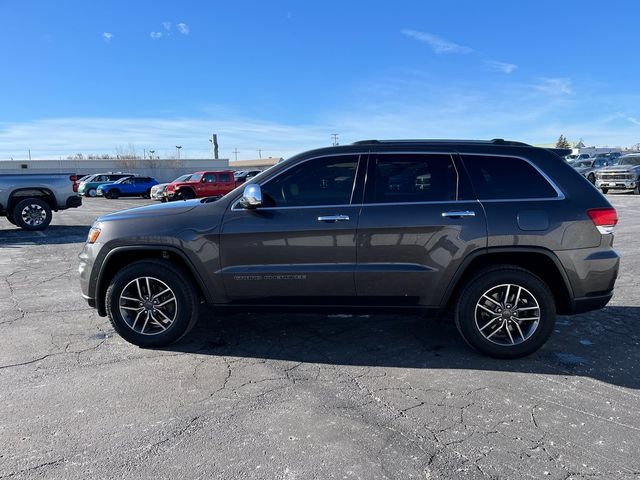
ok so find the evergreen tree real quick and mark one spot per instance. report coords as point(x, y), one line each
point(563, 142)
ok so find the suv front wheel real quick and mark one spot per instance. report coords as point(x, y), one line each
point(505, 312)
point(152, 303)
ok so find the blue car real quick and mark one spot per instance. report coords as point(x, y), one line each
point(128, 187)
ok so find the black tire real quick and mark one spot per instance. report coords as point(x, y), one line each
point(32, 214)
point(92, 192)
point(604, 190)
point(186, 195)
point(498, 277)
point(636, 190)
point(114, 194)
point(592, 178)
point(186, 306)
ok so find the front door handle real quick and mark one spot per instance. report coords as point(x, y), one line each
point(333, 218)
point(458, 214)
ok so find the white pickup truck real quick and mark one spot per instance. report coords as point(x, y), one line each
point(28, 200)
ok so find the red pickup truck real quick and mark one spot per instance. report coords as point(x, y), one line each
point(202, 184)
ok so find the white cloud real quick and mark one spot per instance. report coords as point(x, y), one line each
point(404, 106)
point(555, 86)
point(438, 44)
point(183, 28)
point(166, 26)
point(156, 35)
point(501, 66)
point(107, 36)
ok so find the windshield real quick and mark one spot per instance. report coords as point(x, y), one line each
point(634, 161)
point(583, 163)
point(182, 178)
point(122, 179)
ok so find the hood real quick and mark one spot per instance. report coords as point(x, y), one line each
point(619, 168)
point(583, 169)
point(162, 210)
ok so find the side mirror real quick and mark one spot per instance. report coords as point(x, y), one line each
point(251, 196)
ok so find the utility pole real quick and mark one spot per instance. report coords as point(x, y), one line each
point(214, 146)
point(235, 152)
point(144, 153)
point(29, 154)
point(260, 153)
point(334, 137)
point(178, 147)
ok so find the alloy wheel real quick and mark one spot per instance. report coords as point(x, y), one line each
point(148, 305)
point(33, 215)
point(507, 314)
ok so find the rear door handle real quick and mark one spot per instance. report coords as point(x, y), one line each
point(459, 213)
point(333, 218)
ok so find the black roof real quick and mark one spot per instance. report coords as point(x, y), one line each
point(495, 141)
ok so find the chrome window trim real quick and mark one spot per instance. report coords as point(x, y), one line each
point(234, 203)
point(559, 192)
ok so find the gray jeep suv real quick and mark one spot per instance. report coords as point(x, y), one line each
point(418, 225)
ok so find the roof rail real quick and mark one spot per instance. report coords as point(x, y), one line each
point(495, 141)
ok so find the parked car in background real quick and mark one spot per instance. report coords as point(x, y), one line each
point(624, 175)
point(244, 175)
point(202, 184)
point(157, 191)
point(89, 185)
point(588, 168)
point(128, 187)
point(28, 200)
point(420, 225)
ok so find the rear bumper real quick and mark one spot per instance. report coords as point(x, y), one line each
point(74, 201)
point(587, 304)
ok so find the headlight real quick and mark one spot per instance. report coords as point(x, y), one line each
point(94, 233)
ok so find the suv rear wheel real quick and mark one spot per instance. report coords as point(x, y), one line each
point(32, 214)
point(152, 303)
point(505, 312)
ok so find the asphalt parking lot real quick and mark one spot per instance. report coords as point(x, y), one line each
point(304, 396)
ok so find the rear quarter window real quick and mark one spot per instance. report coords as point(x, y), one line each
point(498, 178)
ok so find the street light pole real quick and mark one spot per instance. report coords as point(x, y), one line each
point(178, 147)
point(235, 152)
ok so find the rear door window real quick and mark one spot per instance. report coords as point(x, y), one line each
point(409, 178)
point(498, 178)
point(224, 177)
point(209, 178)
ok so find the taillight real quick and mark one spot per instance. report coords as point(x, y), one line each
point(604, 219)
point(74, 179)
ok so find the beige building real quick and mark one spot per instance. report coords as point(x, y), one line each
point(255, 164)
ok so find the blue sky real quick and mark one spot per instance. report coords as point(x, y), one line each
point(281, 76)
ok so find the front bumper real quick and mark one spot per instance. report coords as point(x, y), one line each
point(617, 184)
point(99, 192)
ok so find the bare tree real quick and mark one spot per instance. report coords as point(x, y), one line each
point(126, 157)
